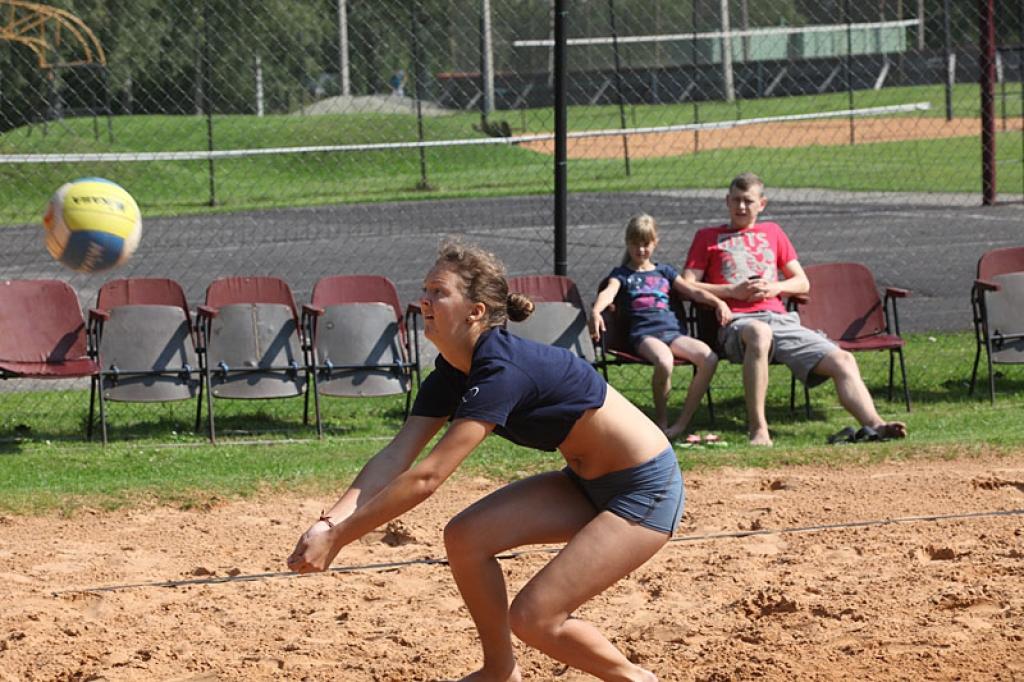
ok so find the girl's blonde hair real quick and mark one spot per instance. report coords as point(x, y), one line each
point(483, 281)
point(641, 229)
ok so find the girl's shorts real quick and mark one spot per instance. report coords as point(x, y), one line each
point(650, 494)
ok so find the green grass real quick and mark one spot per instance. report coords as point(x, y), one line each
point(154, 457)
point(168, 188)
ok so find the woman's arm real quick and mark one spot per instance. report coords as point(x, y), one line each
point(603, 300)
point(387, 487)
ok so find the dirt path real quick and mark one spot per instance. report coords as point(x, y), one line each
point(937, 600)
point(835, 131)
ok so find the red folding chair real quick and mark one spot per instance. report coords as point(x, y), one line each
point(44, 335)
point(559, 317)
point(997, 300)
point(844, 305)
point(251, 339)
point(144, 340)
point(359, 342)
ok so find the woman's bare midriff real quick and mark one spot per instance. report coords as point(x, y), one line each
point(612, 437)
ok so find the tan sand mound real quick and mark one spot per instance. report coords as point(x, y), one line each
point(936, 600)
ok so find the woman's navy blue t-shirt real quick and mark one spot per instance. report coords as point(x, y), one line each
point(532, 392)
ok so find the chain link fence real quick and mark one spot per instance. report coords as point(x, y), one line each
point(316, 137)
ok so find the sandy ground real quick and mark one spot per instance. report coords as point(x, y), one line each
point(913, 600)
point(834, 131)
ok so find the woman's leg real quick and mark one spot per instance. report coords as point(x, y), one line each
point(705, 361)
point(660, 356)
point(548, 508)
point(604, 551)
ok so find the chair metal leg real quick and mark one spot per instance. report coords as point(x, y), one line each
point(92, 403)
point(903, 373)
point(807, 401)
point(199, 404)
point(991, 373)
point(974, 371)
point(792, 393)
point(209, 408)
point(711, 407)
point(103, 410)
point(316, 408)
point(891, 364)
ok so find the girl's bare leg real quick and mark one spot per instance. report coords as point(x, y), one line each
point(547, 508)
point(705, 361)
point(660, 356)
point(603, 552)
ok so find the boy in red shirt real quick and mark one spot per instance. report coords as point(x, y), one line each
point(740, 263)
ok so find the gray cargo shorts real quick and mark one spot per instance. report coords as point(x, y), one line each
point(795, 346)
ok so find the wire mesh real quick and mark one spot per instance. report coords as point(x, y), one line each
point(310, 138)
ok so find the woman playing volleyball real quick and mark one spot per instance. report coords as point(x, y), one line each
point(614, 505)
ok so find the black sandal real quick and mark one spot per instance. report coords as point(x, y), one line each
point(846, 435)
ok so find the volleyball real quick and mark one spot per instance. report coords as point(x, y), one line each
point(92, 224)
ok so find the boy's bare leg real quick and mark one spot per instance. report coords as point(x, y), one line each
point(705, 361)
point(854, 396)
point(757, 343)
point(660, 356)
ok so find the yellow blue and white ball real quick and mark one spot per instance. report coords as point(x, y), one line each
point(92, 224)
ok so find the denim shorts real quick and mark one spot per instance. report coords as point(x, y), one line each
point(666, 336)
point(650, 494)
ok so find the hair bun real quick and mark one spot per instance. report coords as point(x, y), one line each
point(519, 306)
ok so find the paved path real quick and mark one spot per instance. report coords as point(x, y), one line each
point(927, 243)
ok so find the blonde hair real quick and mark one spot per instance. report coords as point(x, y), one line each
point(641, 229)
point(483, 281)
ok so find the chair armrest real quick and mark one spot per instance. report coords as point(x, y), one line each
point(986, 285)
point(207, 311)
point(896, 292)
point(312, 310)
point(98, 315)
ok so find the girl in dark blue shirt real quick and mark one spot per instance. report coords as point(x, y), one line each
point(614, 505)
point(654, 331)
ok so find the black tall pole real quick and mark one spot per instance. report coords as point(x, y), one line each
point(618, 83)
point(693, 60)
point(849, 67)
point(1020, 75)
point(987, 45)
point(206, 100)
point(561, 167)
point(417, 74)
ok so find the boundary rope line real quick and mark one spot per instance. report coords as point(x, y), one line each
point(394, 565)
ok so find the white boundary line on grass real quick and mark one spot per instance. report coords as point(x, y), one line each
point(392, 565)
point(205, 155)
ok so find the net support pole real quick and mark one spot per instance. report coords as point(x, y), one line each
point(344, 75)
point(418, 80)
point(987, 49)
point(728, 85)
point(950, 58)
point(207, 104)
point(487, 58)
point(561, 165)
